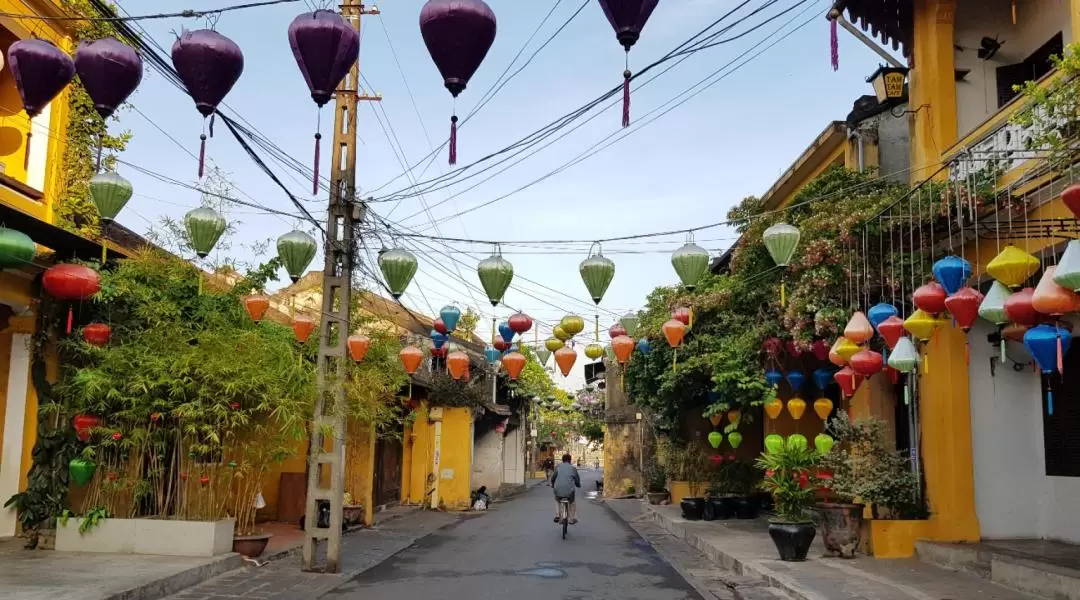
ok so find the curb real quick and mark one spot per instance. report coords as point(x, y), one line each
point(178, 582)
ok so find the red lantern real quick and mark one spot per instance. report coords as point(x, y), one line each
point(1020, 309)
point(616, 330)
point(820, 349)
point(867, 363)
point(674, 331)
point(682, 314)
point(256, 305)
point(500, 344)
point(513, 363)
point(71, 283)
point(930, 298)
point(457, 363)
point(793, 349)
point(964, 306)
point(410, 358)
point(848, 380)
point(623, 347)
point(83, 424)
point(1071, 198)
point(773, 347)
point(359, 345)
point(440, 326)
point(204, 480)
point(891, 330)
point(303, 326)
point(717, 460)
point(97, 334)
point(520, 323)
point(440, 352)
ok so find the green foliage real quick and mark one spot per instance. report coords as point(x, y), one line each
point(789, 478)
point(92, 519)
point(467, 323)
point(1053, 111)
point(85, 129)
point(866, 466)
point(444, 391)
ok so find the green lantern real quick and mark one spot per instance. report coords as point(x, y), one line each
point(796, 441)
point(16, 249)
point(774, 443)
point(715, 439)
point(629, 321)
point(81, 471)
point(735, 439)
point(781, 240)
point(296, 250)
point(398, 267)
point(690, 262)
point(110, 192)
point(495, 274)
point(597, 271)
point(204, 228)
point(543, 354)
point(552, 344)
point(824, 443)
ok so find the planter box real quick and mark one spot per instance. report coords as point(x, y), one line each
point(896, 539)
point(683, 489)
point(149, 536)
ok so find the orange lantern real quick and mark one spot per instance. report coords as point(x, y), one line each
point(1052, 299)
point(674, 331)
point(565, 358)
point(359, 344)
point(733, 415)
point(513, 362)
point(774, 407)
point(623, 347)
point(834, 356)
point(256, 306)
point(858, 329)
point(796, 406)
point(302, 326)
point(458, 364)
point(716, 419)
point(410, 358)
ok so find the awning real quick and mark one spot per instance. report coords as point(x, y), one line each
point(61, 241)
point(891, 21)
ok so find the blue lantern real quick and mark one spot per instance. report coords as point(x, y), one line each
point(823, 378)
point(505, 331)
point(491, 354)
point(878, 313)
point(513, 348)
point(644, 346)
point(1048, 345)
point(774, 378)
point(438, 338)
point(450, 316)
point(952, 272)
point(796, 379)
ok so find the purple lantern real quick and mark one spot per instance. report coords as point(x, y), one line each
point(458, 35)
point(110, 71)
point(41, 70)
point(325, 47)
point(628, 18)
point(209, 64)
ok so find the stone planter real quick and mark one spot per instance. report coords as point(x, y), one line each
point(656, 498)
point(692, 508)
point(717, 509)
point(841, 528)
point(148, 536)
point(352, 515)
point(746, 507)
point(251, 546)
point(792, 539)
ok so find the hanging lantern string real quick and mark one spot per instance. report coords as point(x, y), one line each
point(318, 144)
point(866, 266)
point(922, 240)
point(100, 143)
point(974, 198)
point(911, 245)
point(202, 151)
point(881, 255)
point(626, 91)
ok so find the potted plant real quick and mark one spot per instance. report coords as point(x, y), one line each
point(845, 464)
point(689, 467)
point(657, 484)
point(740, 480)
point(789, 473)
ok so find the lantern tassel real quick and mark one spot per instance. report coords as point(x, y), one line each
point(967, 353)
point(1014, 12)
point(674, 358)
point(1003, 357)
point(70, 319)
point(598, 329)
point(626, 98)
point(783, 294)
point(315, 178)
point(1050, 402)
point(907, 395)
point(834, 45)
point(453, 140)
point(202, 154)
point(926, 364)
point(26, 156)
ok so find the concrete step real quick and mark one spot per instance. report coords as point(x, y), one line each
point(1043, 569)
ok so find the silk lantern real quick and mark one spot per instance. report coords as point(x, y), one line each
point(964, 307)
point(690, 263)
point(773, 346)
point(500, 344)
point(410, 357)
point(1052, 299)
point(1071, 198)
point(616, 330)
point(644, 346)
point(97, 334)
point(450, 316)
point(774, 443)
point(1067, 274)
point(773, 408)
point(891, 330)
point(820, 349)
point(904, 357)
point(438, 338)
point(793, 349)
point(992, 309)
point(204, 228)
point(565, 358)
point(930, 298)
point(17, 250)
point(594, 351)
point(627, 18)
point(847, 348)
point(796, 441)
point(597, 271)
point(1020, 309)
point(458, 35)
point(734, 415)
point(71, 283)
point(921, 325)
point(716, 419)
point(457, 363)
point(1012, 266)
point(41, 71)
point(735, 439)
point(398, 267)
point(256, 306)
point(715, 439)
point(325, 47)
point(506, 331)
point(1047, 345)
point(781, 240)
point(629, 321)
point(542, 355)
point(848, 380)
point(773, 377)
point(796, 379)
point(110, 193)
point(822, 378)
point(303, 326)
point(109, 70)
point(560, 334)
point(796, 407)
point(296, 249)
point(209, 65)
point(572, 324)
point(867, 363)
point(81, 471)
point(823, 407)
point(674, 331)
point(880, 312)
point(495, 272)
point(952, 272)
point(858, 329)
point(823, 443)
point(360, 344)
point(834, 356)
point(520, 323)
point(682, 314)
point(553, 344)
point(439, 325)
point(491, 355)
point(623, 347)
point(514, 363)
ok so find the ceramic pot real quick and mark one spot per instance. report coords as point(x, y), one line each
point(692, 508)
point(792, 539)
point(841, 528)
point(251, 546)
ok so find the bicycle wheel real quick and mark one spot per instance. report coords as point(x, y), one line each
point(565, 523)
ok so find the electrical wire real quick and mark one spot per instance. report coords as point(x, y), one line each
point(186, 14)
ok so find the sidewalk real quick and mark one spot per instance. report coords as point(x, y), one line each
point(745, 549)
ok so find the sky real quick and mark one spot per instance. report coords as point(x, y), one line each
point(684, 170)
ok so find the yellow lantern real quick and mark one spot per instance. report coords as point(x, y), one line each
point(823, 407)
point(594, 351)
point(1013, 266)
point(921, 325)
point(773, 408)
point(847, 348)
point(796, 406)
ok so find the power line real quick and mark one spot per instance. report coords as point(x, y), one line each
point(186, 14)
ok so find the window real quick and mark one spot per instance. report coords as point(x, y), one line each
point(1061, 430)
point(1033, 68)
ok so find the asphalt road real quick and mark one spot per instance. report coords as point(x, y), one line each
point(515, 552)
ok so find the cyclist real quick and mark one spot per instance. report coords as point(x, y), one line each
point(549, 469)
point(564, 481)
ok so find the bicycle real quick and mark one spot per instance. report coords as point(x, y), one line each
point(564, 514)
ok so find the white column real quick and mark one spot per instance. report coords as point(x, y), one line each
point(14, 421)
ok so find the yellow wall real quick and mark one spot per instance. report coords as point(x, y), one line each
point(455, 464)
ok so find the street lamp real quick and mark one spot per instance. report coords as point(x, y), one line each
point(889, 83)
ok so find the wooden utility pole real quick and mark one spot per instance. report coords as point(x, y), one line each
point(329, 427)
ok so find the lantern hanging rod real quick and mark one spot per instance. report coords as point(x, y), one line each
point(1066, 229)
point(189, 13)
point(836, 15)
